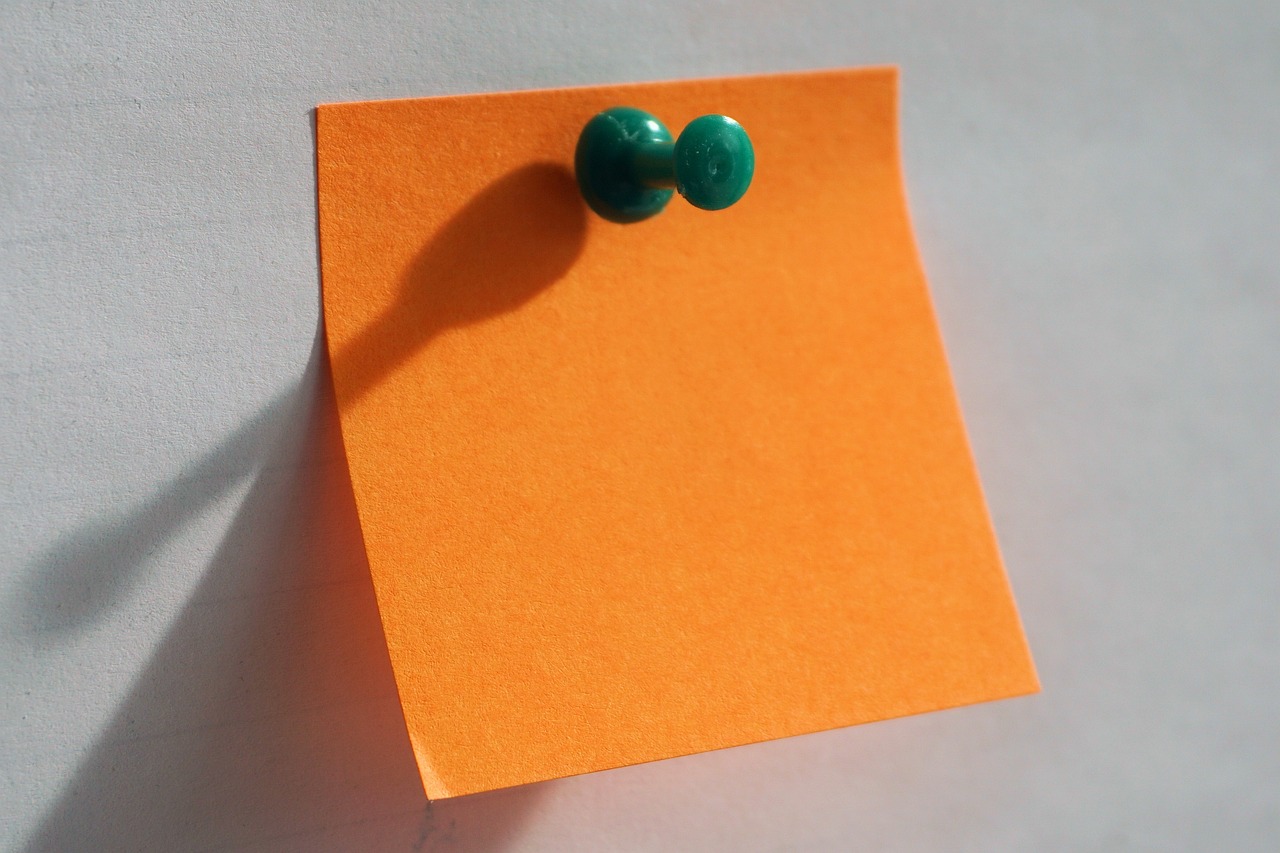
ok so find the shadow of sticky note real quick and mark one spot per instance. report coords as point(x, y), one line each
point(632, 492)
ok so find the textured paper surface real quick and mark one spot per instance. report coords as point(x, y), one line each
point(631, 492)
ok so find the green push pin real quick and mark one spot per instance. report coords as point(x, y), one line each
point(628, 165)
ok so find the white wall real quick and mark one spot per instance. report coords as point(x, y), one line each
point(190, 658)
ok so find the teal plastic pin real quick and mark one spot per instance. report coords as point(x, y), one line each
point(628, 166)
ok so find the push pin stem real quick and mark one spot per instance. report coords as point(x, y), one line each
point(628, 165)
point(654, 164)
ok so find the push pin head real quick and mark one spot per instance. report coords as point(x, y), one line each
point(628, 165)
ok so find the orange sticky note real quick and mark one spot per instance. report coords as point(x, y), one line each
point(637, 491)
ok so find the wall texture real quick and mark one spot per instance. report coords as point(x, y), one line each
point(190, 658)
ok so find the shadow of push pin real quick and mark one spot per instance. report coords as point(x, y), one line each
point(628, 165)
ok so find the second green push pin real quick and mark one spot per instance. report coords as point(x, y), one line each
point(628, 165)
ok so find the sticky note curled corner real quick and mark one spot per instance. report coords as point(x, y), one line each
point(633, 492)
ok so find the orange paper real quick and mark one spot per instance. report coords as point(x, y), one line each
point(636, 491)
